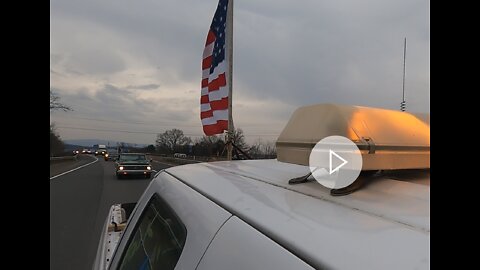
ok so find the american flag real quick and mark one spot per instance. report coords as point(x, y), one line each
point(214, 99)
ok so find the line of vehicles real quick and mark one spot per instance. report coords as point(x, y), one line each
point(126, 164)
point(84, 151)
point(99, 149)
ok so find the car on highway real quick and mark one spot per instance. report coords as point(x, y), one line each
point(100, 151)
point(111, 154)
point(180, 155)
point(256, 214)
point(133, 164)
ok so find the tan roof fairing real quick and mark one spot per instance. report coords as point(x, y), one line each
point(398, 140)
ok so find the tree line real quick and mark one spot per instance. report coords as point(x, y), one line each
point(175, 141)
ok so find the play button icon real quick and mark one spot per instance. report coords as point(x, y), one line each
point(339, 166)
point(335, 162)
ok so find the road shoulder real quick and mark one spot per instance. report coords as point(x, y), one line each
point(58, 168)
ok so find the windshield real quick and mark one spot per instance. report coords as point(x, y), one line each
point(132, 158)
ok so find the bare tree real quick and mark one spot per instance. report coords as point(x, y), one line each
point(239, 139)
point(208, 146)
point(149, 149)
point(210, 140)
point(270, 149)
point(255, 150)
point(56, 144)
point(240, 146)
point(171, 140)
point(263, 149)
point(55, 104)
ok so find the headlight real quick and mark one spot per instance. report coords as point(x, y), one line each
point(106, 155)
point(120, 168)
point(149, 168)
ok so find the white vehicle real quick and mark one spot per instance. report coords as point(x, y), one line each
point(179, 155)
point(249, 214)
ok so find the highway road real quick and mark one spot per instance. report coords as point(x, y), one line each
point(79, 204)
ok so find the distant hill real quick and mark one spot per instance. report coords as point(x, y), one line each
point(88, 143)
point(71, 147)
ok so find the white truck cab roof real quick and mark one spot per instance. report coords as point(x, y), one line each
point(384, 225)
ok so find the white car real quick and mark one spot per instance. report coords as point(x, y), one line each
point(180, 155)
point(249, 215)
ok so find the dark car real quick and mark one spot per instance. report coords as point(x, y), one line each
point(100, 151)
point(110, 155)
point(133, 164)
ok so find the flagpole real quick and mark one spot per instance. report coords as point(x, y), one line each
point(230, 77)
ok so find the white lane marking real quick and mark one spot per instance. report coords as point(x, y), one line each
point(96, 159)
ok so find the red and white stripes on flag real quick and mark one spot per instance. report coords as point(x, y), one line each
point(214, 97)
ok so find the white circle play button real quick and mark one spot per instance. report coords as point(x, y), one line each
point(335, 162)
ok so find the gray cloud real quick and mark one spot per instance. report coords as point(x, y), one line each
point(151, 86)
point(286, 53)
point(56, 73)
point(95, 62)
point(55, 58)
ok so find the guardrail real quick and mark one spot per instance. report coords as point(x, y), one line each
point(192, 159)
point(172, 160)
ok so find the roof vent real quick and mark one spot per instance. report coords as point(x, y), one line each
point(387, 139)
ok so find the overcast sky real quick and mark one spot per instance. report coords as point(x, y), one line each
point(132, 68)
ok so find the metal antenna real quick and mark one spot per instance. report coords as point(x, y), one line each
point(403, 104)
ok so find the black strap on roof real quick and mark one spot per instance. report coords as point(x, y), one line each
point(356, 185)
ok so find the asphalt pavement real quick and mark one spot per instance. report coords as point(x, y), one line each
point(59, 167)
point(79, 204)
